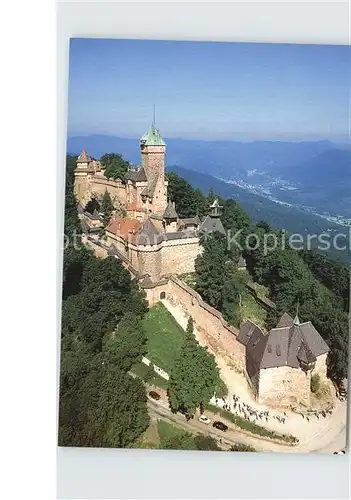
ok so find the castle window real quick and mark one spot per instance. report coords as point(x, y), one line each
point(277, 350)
point(162, 295)
point(269, 348)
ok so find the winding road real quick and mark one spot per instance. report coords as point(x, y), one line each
point(327, 440)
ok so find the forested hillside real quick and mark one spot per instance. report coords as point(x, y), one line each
point(276, 215)
point(319, 285)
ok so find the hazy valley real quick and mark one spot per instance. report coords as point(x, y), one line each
point(303, 187)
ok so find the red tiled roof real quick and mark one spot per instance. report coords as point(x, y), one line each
point(123, 226)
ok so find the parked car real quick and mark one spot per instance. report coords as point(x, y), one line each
point(154, 395)
point(220, 425)
point(342, 452)
point(204, 419)
point(342, 388)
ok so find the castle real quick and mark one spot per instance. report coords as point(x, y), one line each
point(151, 237)
point(156, 245)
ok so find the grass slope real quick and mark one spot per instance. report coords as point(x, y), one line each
point(165, 337)
point(142, 371)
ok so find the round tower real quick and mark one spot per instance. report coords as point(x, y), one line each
point(82, 174)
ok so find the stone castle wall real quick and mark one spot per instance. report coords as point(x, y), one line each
point(118, 242)
point(149, 262)
point(85, 186)
point(179, 256)
point(207, 320)
point(153, 160)
point(321, 366)
point(82, 188)
point(284, 386)
point(98, 250)
point(115, 189)
point(153, 295)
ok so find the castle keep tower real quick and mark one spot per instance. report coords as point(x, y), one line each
point(153, 150)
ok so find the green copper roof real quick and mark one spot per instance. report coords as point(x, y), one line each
point(152, 138)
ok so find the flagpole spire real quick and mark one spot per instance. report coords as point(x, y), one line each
point(154, 121)
point(297, 320)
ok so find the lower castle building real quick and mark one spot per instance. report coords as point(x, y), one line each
point(281, 362)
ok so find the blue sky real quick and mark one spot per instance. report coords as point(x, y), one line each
point(204, 90)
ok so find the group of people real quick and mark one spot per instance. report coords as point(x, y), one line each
point(317, 414)
point(248, 412)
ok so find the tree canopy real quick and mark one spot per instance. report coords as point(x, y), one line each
point(101, 404)
point(115, 166)
point(217, 279)
point(194, 377)
point(92, 205)
point(211, 269)
point(106, 207)
point(189, 201)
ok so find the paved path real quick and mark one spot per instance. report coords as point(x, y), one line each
point(159, 409)
point(324, 435)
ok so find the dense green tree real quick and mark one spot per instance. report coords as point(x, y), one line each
point(206, 443)
point(73, 265)
point(127, 344)
point(115, 166)
point(92, 205)
point(72, 224)
point(315, 383)
point(100, 405)
point(107, 293)
point(194, 377)
point(241, 447)
point(190, 326)
point(233, 289)
point(180, 442)
point(264, 225)
point(106, 207)
point(212, 196)
point(334, 275)
point(234, 217)
point(189, 201)
point(211, 269)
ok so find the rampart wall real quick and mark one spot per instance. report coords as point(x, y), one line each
point(207, 321)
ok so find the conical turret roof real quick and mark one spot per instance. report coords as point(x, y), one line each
point(152, 137)
point(170, 211)
point(83, 157)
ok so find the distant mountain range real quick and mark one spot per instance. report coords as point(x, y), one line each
point(301, 186)
point(259, 208)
